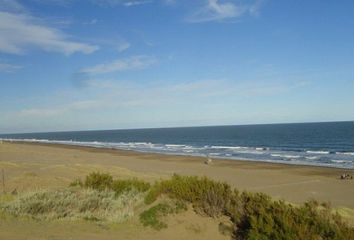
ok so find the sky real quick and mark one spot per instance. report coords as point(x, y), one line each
point(116, 64)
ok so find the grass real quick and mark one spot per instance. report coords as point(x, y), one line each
point(73, 203)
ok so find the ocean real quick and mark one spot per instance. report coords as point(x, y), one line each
point(321, 144)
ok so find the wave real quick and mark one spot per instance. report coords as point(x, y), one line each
point(310, 157)
point(228, 147)
point(318, 152)
point(262, 148)
point(176, 145)
point(346, 153)
point(341, 161)
point(285, 156)
point(215, 154)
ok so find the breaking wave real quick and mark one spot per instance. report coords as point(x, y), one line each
point(277, 155)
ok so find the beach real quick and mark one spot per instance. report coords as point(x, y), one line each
point(30, 166)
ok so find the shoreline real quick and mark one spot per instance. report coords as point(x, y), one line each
point(40, 165)
point(216, 158)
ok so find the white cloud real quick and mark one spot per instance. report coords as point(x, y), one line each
point(216, 10)
point(123, 45)
point(127, 3)
point(134, 3)
point(19, 31)
point(255, 8)
point(8, 68)
point(59, 110)
point(55, 2)
point(132, 63)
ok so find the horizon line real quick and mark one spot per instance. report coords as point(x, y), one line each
point(200, 126)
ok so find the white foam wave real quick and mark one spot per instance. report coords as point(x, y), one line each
point(346, 153)
point(231, 152)
point(188, 151)
point(341, 161)
point(214, 154)
point(285, 156)
point(227, 147)
point(317, 152)
point(175, 145)
point(261, 148)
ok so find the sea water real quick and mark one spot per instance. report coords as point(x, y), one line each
point(321, 144)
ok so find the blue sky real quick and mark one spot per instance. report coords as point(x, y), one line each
point(111, 64)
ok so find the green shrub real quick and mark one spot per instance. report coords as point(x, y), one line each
point(98, 181)
point(76, 183)
point(104, 181)
point(210, 197)
point(265, 219)
point(255, 215)
point(154, 192)
point(151, 217)
point(120, 186)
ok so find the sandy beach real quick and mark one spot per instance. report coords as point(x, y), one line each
point(31, 166)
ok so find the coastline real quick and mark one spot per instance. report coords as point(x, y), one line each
point(67, 144)
point(33, 166)
point(293, 183)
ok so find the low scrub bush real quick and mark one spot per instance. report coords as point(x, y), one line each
point(255, 215)
point(120, 186)
point(98, 181)
point(76, 183)
point(152, 216)
point(210, 197)
point(104, 181)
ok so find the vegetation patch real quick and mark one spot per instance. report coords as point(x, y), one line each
point(152, 216)
point(254, 215)
point(73, 203)
point(98, 181)
point(121, 186)
point(104, 181)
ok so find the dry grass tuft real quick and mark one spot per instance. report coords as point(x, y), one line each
point(74, 203)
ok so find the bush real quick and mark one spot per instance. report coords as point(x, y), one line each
point(151, 217)
point(98, 181)
point(210, 197)
point(120, 186)
point(255, 215)
point(76, 183)
point(104, 181)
